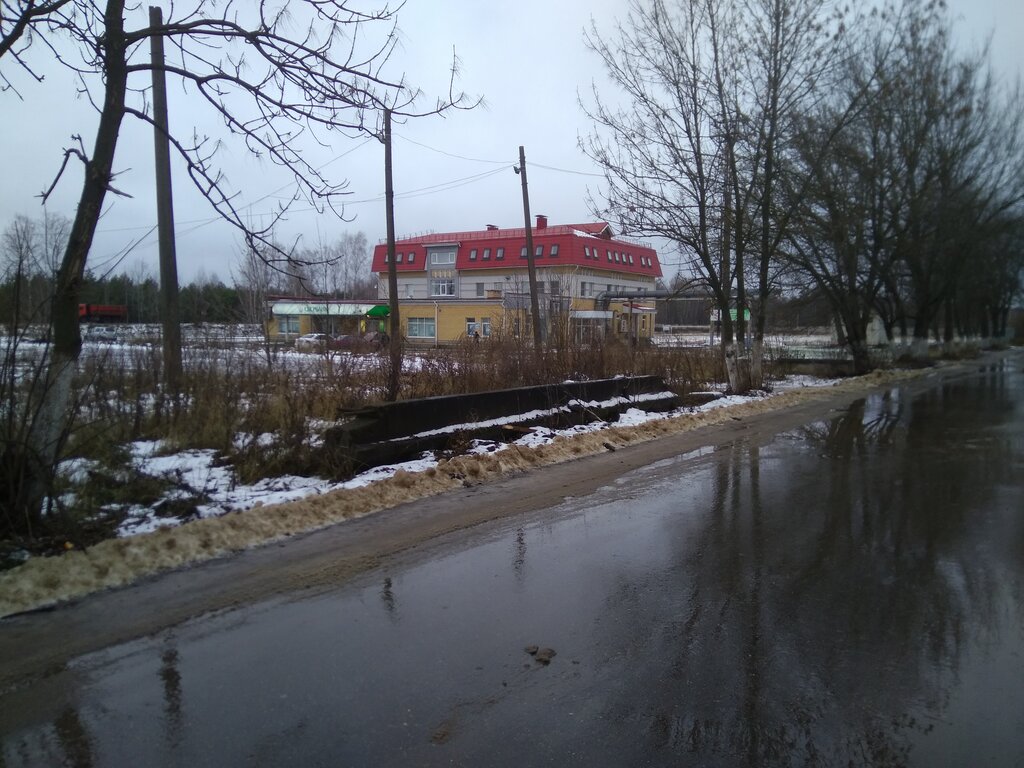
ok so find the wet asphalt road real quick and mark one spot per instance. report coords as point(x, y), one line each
point(850, 592)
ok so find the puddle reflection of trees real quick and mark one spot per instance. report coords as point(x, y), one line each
point(821, 611)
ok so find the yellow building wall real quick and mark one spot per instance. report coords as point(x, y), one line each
point(451, 318)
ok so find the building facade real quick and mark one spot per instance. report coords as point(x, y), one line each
point(291, 317)
point(456, 285)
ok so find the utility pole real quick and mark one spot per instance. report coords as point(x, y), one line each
point(531, 266)
point(395, 344)
point(165, 211)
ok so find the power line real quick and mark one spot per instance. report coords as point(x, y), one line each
point(567, 170)
point(453, 154)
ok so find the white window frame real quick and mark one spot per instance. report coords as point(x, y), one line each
point(417, 328)
point(442, 286)
point(447, 260)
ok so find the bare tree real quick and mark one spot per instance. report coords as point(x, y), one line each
point(29, 256)
point(714, 88)
point(920, 190)
point(313, 69)
point(662, 152)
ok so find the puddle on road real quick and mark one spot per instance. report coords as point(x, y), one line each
point(847, 592)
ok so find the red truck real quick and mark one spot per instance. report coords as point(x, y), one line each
point(102, 313)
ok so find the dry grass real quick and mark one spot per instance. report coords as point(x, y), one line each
point(112, 563)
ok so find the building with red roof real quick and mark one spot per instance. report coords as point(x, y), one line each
point(476, 283)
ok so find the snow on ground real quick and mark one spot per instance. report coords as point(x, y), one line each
point(315, 504)
point(197, 470)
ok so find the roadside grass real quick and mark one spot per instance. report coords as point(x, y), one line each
point(262, 419)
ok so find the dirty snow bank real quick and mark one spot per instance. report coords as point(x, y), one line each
point(272, 514)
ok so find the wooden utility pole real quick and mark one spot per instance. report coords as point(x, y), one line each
point(165, 211)
point(395, 334)
point(538, 336)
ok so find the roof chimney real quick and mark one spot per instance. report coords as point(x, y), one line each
point(542, 221)
point(492, 227)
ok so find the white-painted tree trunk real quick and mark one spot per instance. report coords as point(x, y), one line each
point(757, 364)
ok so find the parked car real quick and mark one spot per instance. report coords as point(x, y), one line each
point(370, 341)
point(102, 333)
point(312, 342)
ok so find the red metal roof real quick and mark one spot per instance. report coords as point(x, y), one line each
point(589, 245)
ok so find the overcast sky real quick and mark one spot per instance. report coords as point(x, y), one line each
point(527, 59)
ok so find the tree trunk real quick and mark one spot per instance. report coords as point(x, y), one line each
point(757, 361)
point(49, 432)
point(732, 368)
point(861, 358)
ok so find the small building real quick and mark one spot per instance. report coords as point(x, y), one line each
point(454, 285)
point(290, 317)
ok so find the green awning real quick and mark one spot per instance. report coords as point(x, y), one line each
point(329, 309)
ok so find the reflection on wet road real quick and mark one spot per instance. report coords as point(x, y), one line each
point(846, 593)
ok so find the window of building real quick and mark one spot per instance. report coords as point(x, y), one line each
point(609, 255)
point(616, 257)
point(631, 258)
point(398, 258)
point(586, 251)
point(538, 252)
point(412, 257)
point(471, 326)
point(555, 288)
point(472, 254)
point(522, 252)
point(487, 254)
point(442, 257)
point(479, 289)
point(554, 251)
point(387, 257)
point(408, 292)
point(288, 324)
point(422, 328)
point(499, 254)
point(583, 289)
point(442, 286)
point(485, 326)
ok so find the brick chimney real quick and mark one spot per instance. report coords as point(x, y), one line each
point(542, 221)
